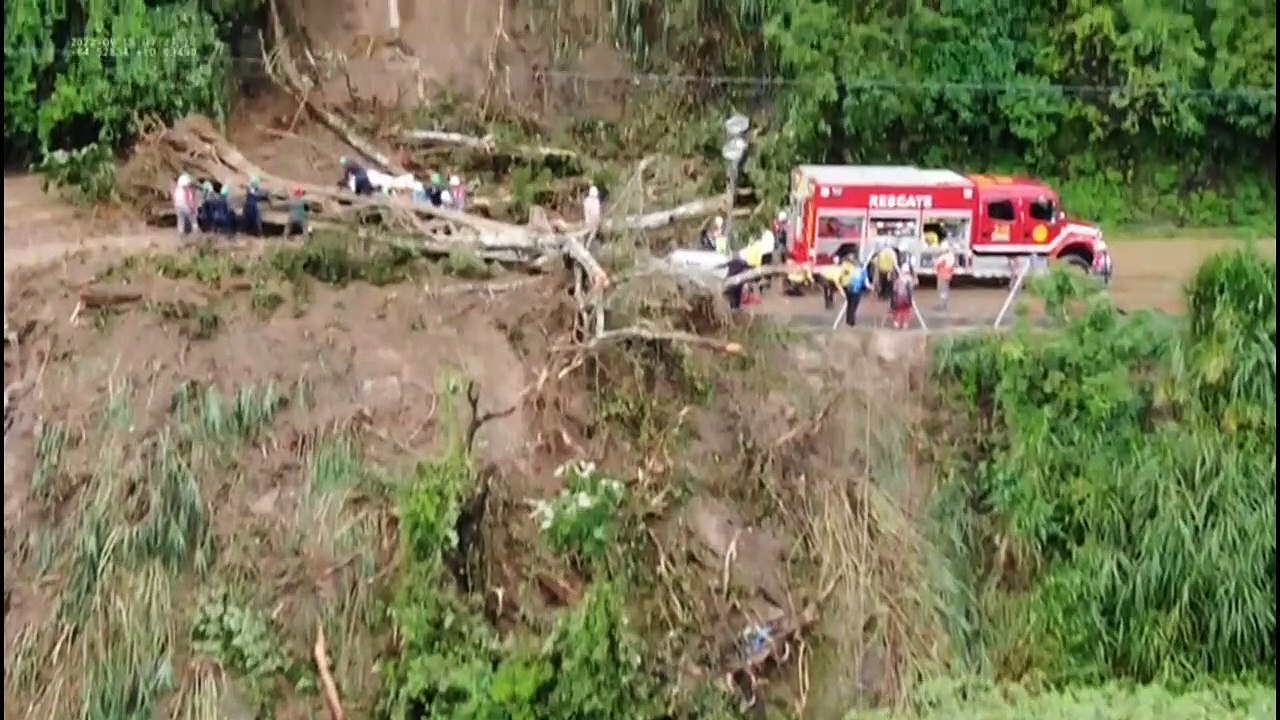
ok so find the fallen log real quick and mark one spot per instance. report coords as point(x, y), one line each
point(103, 296)
point(282, 69)
point(488, 144)
point(654, 220)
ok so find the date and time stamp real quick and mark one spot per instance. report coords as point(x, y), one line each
point(130, 48)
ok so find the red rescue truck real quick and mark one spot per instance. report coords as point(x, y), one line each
point(988, 219)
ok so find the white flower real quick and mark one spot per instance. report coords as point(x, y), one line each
point(586, 469)
point(584, 500)
point(543, 513)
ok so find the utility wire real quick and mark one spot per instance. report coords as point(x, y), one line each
point(1258, 93)
point(757, 83)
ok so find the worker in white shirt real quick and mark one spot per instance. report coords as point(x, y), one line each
point(591, 207)
point(719, 239)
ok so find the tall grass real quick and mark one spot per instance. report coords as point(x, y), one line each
point(1114, 493)
point(135, 538)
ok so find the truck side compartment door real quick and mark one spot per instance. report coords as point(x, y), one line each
point(1000, 223)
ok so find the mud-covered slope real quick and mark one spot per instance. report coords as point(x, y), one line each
point(223, 447)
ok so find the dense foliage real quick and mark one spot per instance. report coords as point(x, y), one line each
point(1118, 487)
point(83, 72)
point(1140, 110)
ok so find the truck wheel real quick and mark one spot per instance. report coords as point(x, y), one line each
point(1076, 262)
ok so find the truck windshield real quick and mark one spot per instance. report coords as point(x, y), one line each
point(1044, 210)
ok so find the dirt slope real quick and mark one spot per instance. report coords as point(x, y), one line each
point(461, 47)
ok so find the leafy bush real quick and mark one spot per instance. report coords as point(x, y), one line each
point(89, 72)
point(1118, 486)
point(87, 174)
point(583, 520)
point(452, 664)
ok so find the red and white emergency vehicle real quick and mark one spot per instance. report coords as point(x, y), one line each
point(989, 219)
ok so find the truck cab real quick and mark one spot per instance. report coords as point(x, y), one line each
point(1023, 216)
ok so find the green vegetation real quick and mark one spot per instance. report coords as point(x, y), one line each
point(84, 72)
point(1140, 112)
point(1112, 502)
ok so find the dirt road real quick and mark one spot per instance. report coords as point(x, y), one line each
point(1150, 274)
point(39, 228)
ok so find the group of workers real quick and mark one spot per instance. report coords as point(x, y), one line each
point(363, 181)
point(208, 208)
point(890, 273)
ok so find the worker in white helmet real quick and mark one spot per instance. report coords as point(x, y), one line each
point(719, 239)
point(185, 205)
point(457, 194)
point(591, 207)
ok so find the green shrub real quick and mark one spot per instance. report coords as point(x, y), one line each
point(1118, 486)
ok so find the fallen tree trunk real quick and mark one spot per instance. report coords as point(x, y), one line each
point(282, 69)
point(488, 144)
point(662, 218)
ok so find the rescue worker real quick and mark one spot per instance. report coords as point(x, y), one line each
point(221, 218)
point(185, 207)
point(435, 191)
point(737, 266)
point(768, 250)
point(886, 267)
point(780, 237)
point(1102, 266)
point(901, 301)
point(297, 224)
point(591, 207)
point(719, 238)
point(355, 177)
point(457, 194)
point(420, 193)
point(944, 268)
point(208, 198)
point(251, 217)
point(854, 282)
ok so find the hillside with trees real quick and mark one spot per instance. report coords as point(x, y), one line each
point(1142, 112)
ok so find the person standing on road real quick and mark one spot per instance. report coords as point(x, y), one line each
point(854, 284)
point(781, 236)
point(886, 265)
point(185, 206)
point(944, 268)
point(901, 301)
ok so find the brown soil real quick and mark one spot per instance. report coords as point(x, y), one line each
point(494, 50)
point(373, 361)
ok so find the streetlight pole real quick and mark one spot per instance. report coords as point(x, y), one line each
point(733, 151)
